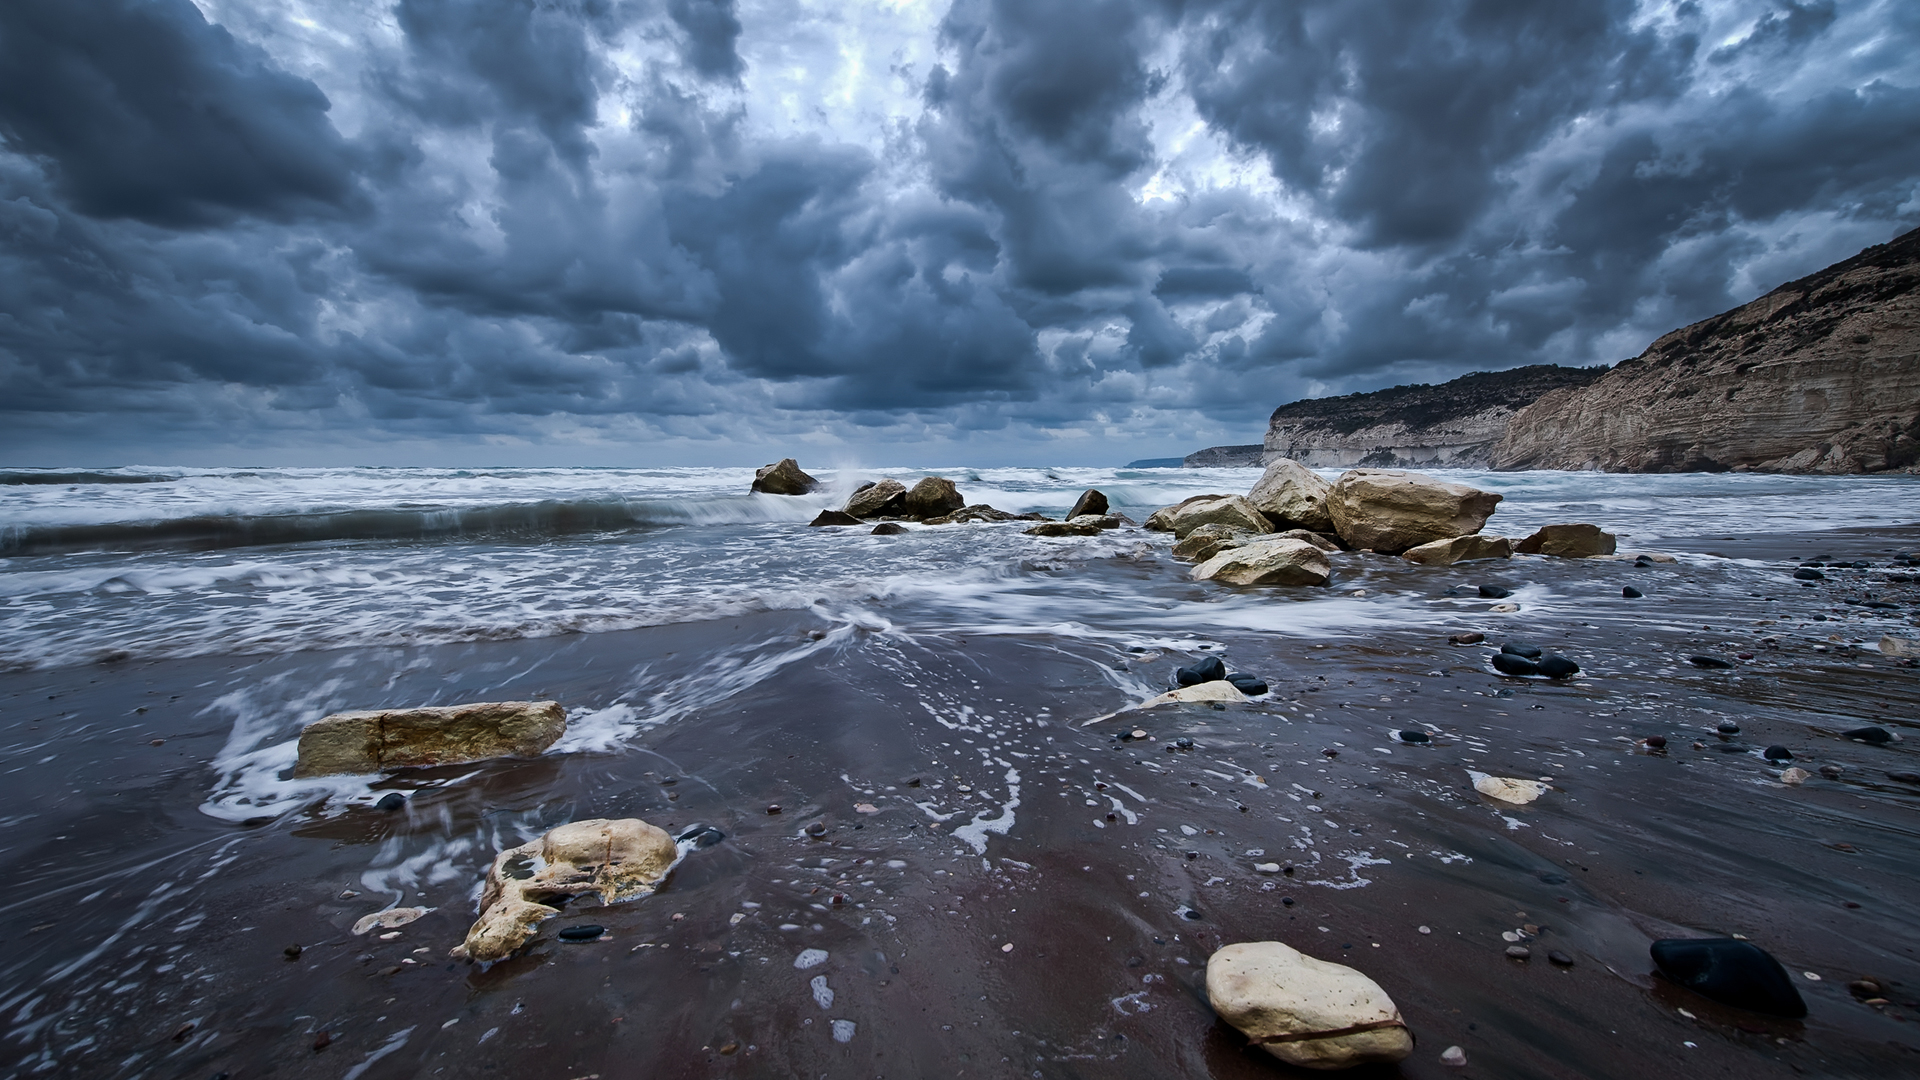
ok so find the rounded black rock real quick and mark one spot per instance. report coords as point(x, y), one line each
point(1711, 662)
point(1560, 958)
point(1209, 670)
point(1777, 752)
point(1411, 736)
point(1507, 663)
point(1808, 573)
point(1494, 592)
point(1522, 648)
point(1876, 736)
point(391, 801)
point(1249, 685)
point(1727, 727)
point(702, 836)
point(1183, 743)
point(588, 932)
point(1631, 593)
point(1731, 972)
point(1555, 666)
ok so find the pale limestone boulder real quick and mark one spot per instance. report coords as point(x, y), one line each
point(1577, 541)
point(1229, 510)
point(1207, 541)
point(1319, 540)
point(1506, 788)
point(1098, 521)
point(1161, 520)
point(882, 498)
point(1216, 690)
point(382, 739)
point(783, 477)
point(1389, 511)
point(1267, 562)
point(933, 496)
point(618, 860)
point(1292, 495)
point(1304, 1011)
point(1460, 549)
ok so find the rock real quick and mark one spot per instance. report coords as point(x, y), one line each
point(1731, 972)
point(1388, 511)
point(583, 932)
point(932, 497)
point(1321, 540)
point(880, 499)
point(888, 528)
point(1831, 772)
point(1411, 736)
point(1161, 520)
point(1494, 592)
point(1230, 510)
point(1560, 958)
point(1630, 592)
point(1509, 664)
point(1712, 662)
point(1098, 521)
point(1207, 670)
point(1250, 685)
point(1506, 788)
point(390, 919)
point(1555, 666)
point(983, 512)
point(1304, 1011)
point(1727, 727)
point(1504, 609)
point(1806, 573)
point(1219, 690)
point(835, 517)
point(1453, 1056)
point(382, 739)
point(701, 836)
point(1460, 549)
point(1795, 776)
point(1893, 646)
point(1655, 742)
point(1904, 777)
point(1292, 495)
point(1207, 541)
point(1777, 752)
point(783, 477)
point(1522, 648)
point(391, 801)
point(1466, 639)
point(1875, 736)
point(1063, 528)
point(618, 860)
point(1519, 952)
point(1267, 562)
point(1091, 501)
point(1567, 542)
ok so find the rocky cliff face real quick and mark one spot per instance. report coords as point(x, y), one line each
point(1454, 424)
point(1819, 375)
point(1226, 457)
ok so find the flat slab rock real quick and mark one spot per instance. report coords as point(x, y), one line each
point(1304, 1011)
point(378, 740)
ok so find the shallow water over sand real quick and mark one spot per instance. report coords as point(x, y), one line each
point(1029, 895)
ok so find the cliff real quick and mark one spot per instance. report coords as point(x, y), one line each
point(1453, 424)
point(1820, 375)
point(1226, 457)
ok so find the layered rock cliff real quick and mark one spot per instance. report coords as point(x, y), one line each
point(1453, 424)
point(1820, 375)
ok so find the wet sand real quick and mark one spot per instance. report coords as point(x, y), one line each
point(146, 938)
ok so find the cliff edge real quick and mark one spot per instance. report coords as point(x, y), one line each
point(1820, 375)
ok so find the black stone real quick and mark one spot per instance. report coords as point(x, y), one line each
point(1709, 662)
point(835, 517)
point(702, 836)
point(1183, 743)
point(1731, 972)
point(1503, 692)
point(1411, 736)
point(1494, 592)
point(392, 800)
point(1248, 684)
point(1631, 593)
point(1878, 736)
point(1777, 752)
point(1091, 501)
point(1522, 648)
point(582, 933)
point(1881, 605)
point(1905, 777)
point(1560, 958)
point(1209, 670)
point(888, 528)
point(1555, 666)
point(1507, 663)
point(1808, 573)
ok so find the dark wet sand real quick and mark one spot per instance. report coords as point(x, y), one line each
point(133, 915)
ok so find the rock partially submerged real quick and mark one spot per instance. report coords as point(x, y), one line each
point(1229, 510)
point(1065, 528)
point(933, 496)
point(1207, 541)
point(783, 477)
point(1267, 561)
point(982, 512)
point(617, 860)
point(1292, 496)
point(1577, 541)
point(1731, 972)
point(835, 517)
point(878, 499)
point(1304, 1011)
point(1091, 501)
point(1460, 549)
point(1389, 511)
point(377, 740)
point(1506, 788)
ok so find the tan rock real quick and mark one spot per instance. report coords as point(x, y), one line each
point(1506, 788)
point(1389, 511)
point(1215, 510)
point(1894, 646)
point(1161, 520)
point(382, 739)
point(933, 496)
point(1460, 549)
point(1304, 1011)
point(882, 498)
point(1577, 541)
point(1207, 541)
point(783, 477)
point(617, 860)
point(1267, 562)
point(1292, 495)
point(1794, 776)
point(1216, 690)
point(391, 918)
point(1323, 541)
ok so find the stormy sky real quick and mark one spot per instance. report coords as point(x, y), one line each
point(984, 231)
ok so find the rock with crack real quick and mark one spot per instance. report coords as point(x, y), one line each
point(1183, 517)
point(1292, 496)
point(382, 739)
point(933, 496)
point(1091, 501)
point(616, 860)
point(1304, 1011)
point(882, 498)
point(1207, 541)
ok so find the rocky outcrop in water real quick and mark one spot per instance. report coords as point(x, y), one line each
point(1820, 375)
point(783, 477)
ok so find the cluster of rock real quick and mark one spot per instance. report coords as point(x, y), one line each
point(934, 500)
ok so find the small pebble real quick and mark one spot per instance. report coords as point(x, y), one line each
point(817, 828)
point(1794, 776)
point(1494, 592)
point(1727, 727)
point(1831, 772)
point(588, 932)
point(1808, 573)
point(1183, 743)
point(1519, 952)
point(1522, 648)
point(1875, 736)
point(774, 809)
point(293, 952)
point(1712, 662)
point(321, 1040)
point(1656, 742)
point(1507, 663)
point(392, 800)
point(1631, 593)
point(1560, 958)
point(1426, 929)
point(1777, 752)
point(1454, 1056)
point(1415, 737)
point(1555, 666)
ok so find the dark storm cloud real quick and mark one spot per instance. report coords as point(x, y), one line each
point(712, 27)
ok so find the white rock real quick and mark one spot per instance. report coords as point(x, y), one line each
point(1454, 1056)
point(1267, 867)
point(1304, 1011)
point(1893, 646)
point(1267, 562)
point(1290, 492)
point(1506, 788)
point(384, 920)
point(1795, 775)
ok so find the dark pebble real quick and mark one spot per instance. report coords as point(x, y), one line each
point(1560, 958)
point(1467, 639)
point(835, 517)
point(1777, 752)
point(322, 1040)
point(1631, 593)
point(1192, 915)
point(1208, 670)
point(1286, 901)
point(817, 828)
point(1183, 743)
point(1415, 737)
point(1881, 605)
point(1657, 742)
point(888, 528)
point(588, 932)
point(292, 952)
point(1503, 692)
point(1555, 666)
point(1819, 618)
point(1905, 777)
point(1507, 663)
point(1217, 706)
point(1808, 573)
point(703, 836)
point(1731, 972)
point(1709, 662)
point(1878, 736)
point(774, 809)
point(392, 800)
point(1248, 684)
point(1727, 727)
point(1522, 648)
point(1831, 772)
point(1494, 592)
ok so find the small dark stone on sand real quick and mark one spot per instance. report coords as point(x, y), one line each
point(1808, 573)
point(817, 828)
point(1727, 727)
point(1878, 736)
point(774, 809)
point(1631, 593)
point(1217, 707)
point(1731, 972)
point(1522, 648)
point(1713, 662)
point(292, 952)
point(1192, 915)
point(1248, 684)
point(1494, 592)
point(1209, 670)
point(702, 836)
point(1507, 663)
point(1183, 743)
point(1777, 752)
point(1657, 742)
point(1467, 639)
point(321, 1040)
point(588, 932)
point(1286, 901)
point(1555, 666)
point(1560, 958)
point(1505, 692)
point(1519, 952)
point(392, 800)
point(888, 528)
point(1905, 777)
point(1831, 772)
point(1415, 737)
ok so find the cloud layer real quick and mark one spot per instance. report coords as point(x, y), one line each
point(664, 231)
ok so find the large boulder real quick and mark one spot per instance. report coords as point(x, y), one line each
point(783, 477)
point(1304, 1011)
point(1389, 511)
point(1292, 496)
point(880, 499)
point(1577, 541)
point(1323, 541)
point(933, 496)
point(1091, 501)
point(835, 517)
point(1230, 510)
point(1460, 549)
point(1207, 541)
point(381, 739)
point(1161, 520)
point(617, 860)
point(1267, 562)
